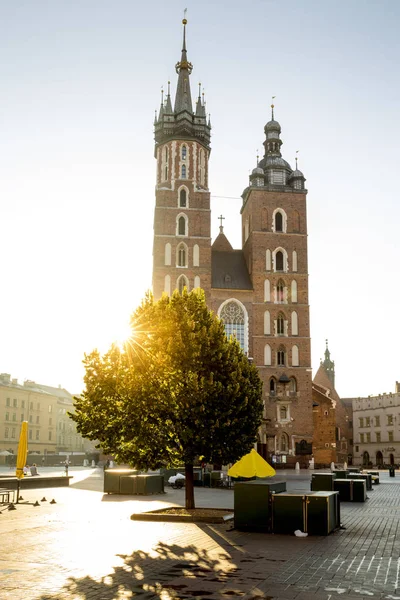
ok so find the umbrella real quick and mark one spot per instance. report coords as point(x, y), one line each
point(251, 465)
point(22, 450)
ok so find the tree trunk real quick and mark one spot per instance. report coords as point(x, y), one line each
point(189, 489)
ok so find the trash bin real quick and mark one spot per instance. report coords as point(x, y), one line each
point(391, 472)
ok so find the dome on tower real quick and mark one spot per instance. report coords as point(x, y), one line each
point(272, 126)
point(257, 171)
point(297, 173)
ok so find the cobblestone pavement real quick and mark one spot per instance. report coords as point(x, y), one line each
point(85, 547)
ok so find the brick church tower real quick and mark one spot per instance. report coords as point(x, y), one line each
point(182, 218)
point(260, 291)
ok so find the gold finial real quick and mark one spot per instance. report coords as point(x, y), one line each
point(273, 106)
point(169, 83)
point(184, 20)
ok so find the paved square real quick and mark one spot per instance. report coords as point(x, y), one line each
point(85, 547)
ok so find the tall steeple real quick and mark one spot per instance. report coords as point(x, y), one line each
point(329, 365)
point(183, 98)
point(181, 122)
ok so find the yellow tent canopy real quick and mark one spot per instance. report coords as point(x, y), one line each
point(251, 465)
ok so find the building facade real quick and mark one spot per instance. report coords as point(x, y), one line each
point(333, 418)
point(377, 429)
point(45, 408)
point(259, 291)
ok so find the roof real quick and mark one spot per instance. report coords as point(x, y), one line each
point(222, 244)
point(229, 270)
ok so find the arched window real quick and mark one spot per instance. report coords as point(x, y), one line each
point(267, 355)
point(234, 316)
point(202, 167)
point(292, 385)
point(283, 413)
point(295, 325)
point(267, 291)
point(196, 255)
point(279, 261)
point(182, 256)
point(182, 198)
point(184, 152)
point(278, 221)
point(294, 261)
point(284, 442)
point(197, 281)
point(280, 324)
point(268, 260)
point(167, 285)
point(267, 323)
point(183, 172)
point(280, 292)
point(164, 164)
point(281, 357)
point(167, 254)
point(294, 291)
point(182, 225)
point(182, 283)
point(295, 356)
point(272, 386)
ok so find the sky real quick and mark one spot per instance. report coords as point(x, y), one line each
point(79, 83)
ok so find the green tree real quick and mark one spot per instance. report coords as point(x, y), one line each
point(178, 391)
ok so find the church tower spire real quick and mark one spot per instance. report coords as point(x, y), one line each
point(329, 365)
point(181, 121)
point(182, 217)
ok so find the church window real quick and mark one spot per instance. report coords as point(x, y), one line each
point(183, 171)
point(294, 291)
point(184, 152)
point(280, 324)
point(292, 385)
point(232, 314)
point(295, 324)
point(280, 357)
point(267, 291)
point(272, 386)
point(280, 292)
point(197, 281)
point(202, 167)
point(283, 413)
point(278, 221)
point(267, 355)
point(268, 260)
point(279, 261)
point(267, 323)
point(167, 257)
point(294, 260)
point(196, 255)
point(295, 356)
point(167, 285)
point(164, 164)
point(182, 198)
point(284, 443)
point(182, 283)
point(182, 256)
point(182, 225)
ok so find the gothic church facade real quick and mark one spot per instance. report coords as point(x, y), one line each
point(259, 291)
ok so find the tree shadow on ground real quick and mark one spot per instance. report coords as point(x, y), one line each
point(168, 571)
